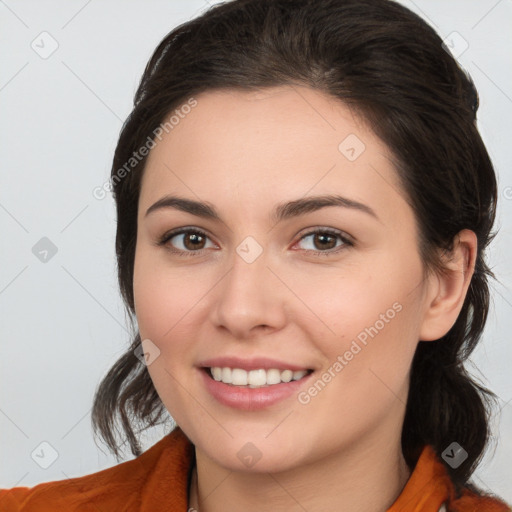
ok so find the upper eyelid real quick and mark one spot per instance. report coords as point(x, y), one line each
point(180, 231)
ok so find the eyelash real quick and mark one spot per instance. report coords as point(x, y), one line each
point(166, 237)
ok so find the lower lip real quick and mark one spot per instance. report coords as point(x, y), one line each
point(251, 399)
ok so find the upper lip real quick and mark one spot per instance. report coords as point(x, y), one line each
point(254, 363)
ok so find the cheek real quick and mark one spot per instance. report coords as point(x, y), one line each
point(373, 312)
point(150, 299)
point(161, 298)
point(161, 306)
point(377, 293)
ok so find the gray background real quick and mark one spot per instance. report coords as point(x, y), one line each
point(63, 324)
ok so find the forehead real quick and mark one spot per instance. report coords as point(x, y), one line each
point(269, 143)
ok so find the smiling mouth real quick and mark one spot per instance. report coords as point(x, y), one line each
point(258, 378)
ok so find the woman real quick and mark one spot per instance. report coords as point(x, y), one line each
point(304, 203)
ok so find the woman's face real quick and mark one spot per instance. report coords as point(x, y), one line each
point(256, 289)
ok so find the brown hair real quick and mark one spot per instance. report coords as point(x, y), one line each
point(390, 66)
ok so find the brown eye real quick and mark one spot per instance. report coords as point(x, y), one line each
point(186, 241)
point(193, 241)
point(325, 242)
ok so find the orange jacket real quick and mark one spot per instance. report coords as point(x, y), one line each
point(157, 481)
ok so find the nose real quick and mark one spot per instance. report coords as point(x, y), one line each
point(250, 299)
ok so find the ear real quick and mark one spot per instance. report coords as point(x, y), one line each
point(446, 291)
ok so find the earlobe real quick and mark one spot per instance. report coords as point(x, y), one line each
point(447, 290)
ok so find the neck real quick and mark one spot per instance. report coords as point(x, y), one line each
point(358, 479)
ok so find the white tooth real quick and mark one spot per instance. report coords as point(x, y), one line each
point(257, 377)
point(299, 374)
point(226, 376)
point(273, 376)
point(286, 375)
point(239, 377)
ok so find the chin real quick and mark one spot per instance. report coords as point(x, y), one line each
point(270, 462)
point(254, 453)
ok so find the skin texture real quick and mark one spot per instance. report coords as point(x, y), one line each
point(243, 153)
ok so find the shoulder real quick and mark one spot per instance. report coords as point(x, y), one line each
point(121, 487)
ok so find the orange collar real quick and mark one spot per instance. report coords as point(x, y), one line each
point(428, 487)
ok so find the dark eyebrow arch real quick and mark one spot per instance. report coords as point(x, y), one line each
point(281, 212)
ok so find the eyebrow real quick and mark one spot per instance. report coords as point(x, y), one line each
point(281, 212)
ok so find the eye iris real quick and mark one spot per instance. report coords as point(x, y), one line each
point(322, 237)
point(196, 238)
